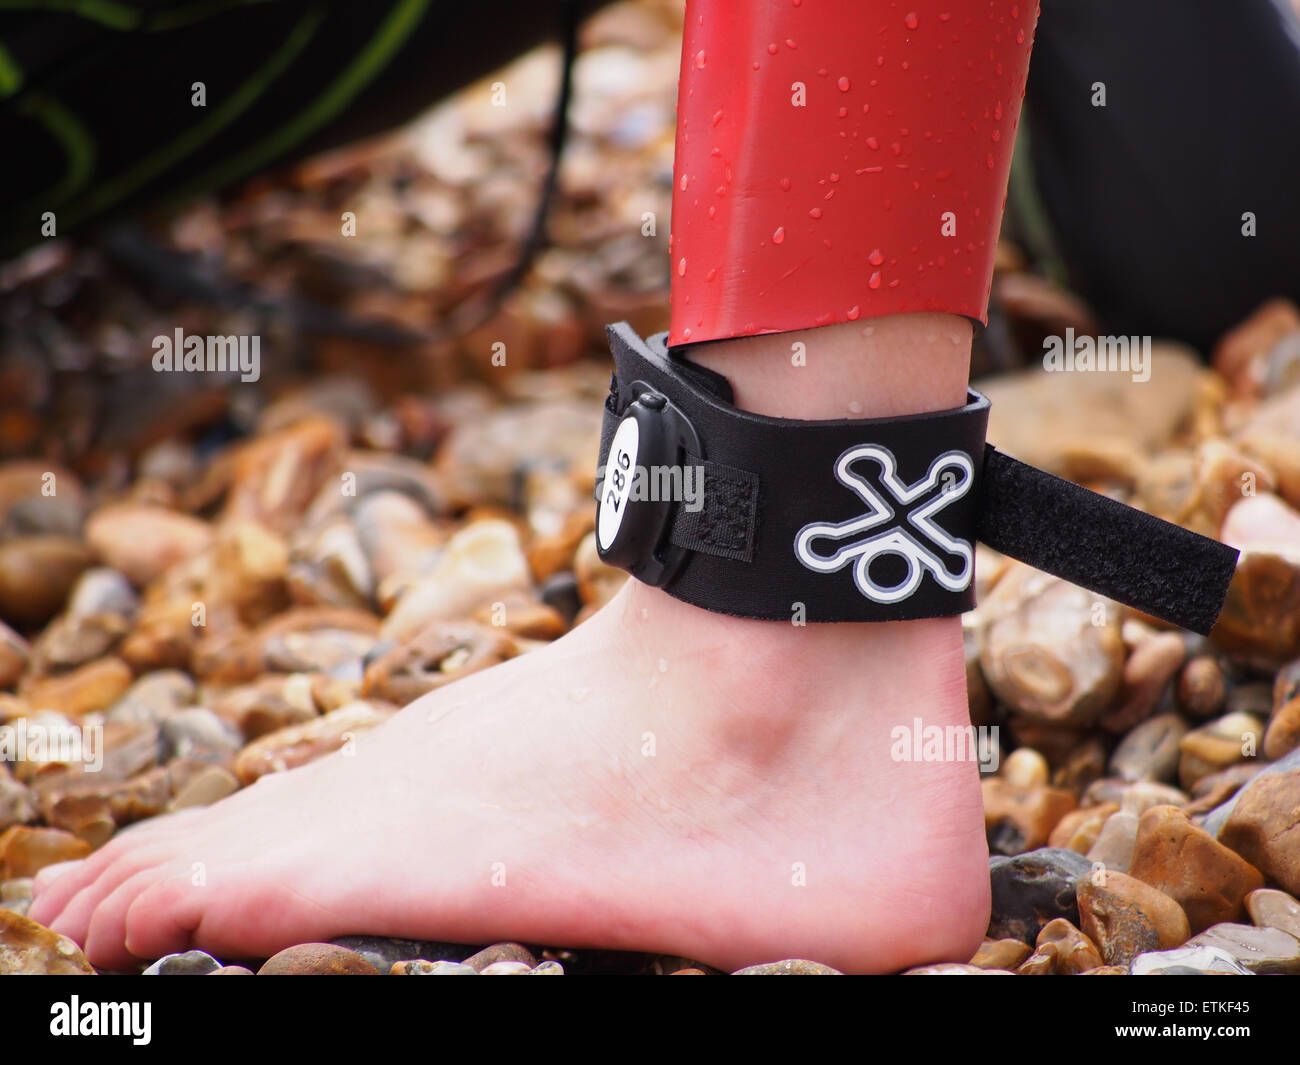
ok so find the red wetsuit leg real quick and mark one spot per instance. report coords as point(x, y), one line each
point(841, 159)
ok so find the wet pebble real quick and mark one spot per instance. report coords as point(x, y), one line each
point(190, 963)
point(30, 949)
point(297, 745)
point(1001, 954)
point(1060, 950)
point(196, 732)
point(1188, 961)
point(142, 541)
point(506, 968)
point(1126, 917)
point(431, 968)
point(26, 851)
point(790, 967)
point(1262, 826)
point(384, 952)
point(1029, 890)
point(1222, 742)
point(1261, 950)
point(317, 959)
point(497, 952)
point(1203, 876)
point(1151, 750)
point(1268, 908)
point(1020, 819)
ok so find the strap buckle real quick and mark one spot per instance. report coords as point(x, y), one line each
point(646, 476)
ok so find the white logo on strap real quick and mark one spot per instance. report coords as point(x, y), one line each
point(896, 539)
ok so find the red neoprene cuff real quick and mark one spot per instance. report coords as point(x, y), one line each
point(841, 159)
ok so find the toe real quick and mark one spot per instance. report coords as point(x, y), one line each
point(106, 937)
point(57, 885)
point(73, 918)
point(161, 918)
point(47, 876)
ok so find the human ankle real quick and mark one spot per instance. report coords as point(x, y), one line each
point(901, 364)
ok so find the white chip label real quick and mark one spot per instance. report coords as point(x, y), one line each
point(616, 489)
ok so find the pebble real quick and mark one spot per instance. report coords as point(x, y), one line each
point(1216, 789)
point(81, 691)
point(72, 640)
point(26, 851)
point(1217, 745)
point(1214, 821)
point(1260, 620)
point(516, 952)
point(232, 970)
point(1000, 954)
point(547, 968)
point(1138, 798)
point(383, 952)
point(1222, 470)
point(1188, 961)
point(420, 967)
point(482, 563)
point(267, 705)
point(142, 541)
point(598, 582)
point(36, 575)
point(1201, 687)
point(1126, 917)
point(443, 652)
point(17, 806)
point(196, 732)
point(31, 949)
point(209, 785)
point(275, 476)
point(506, 968)
point(1020, 819)
point(1115, 842)
point(1283, 735)
point(154, 697)
point(1078, 830)
point(191, 963)
point(1261, 950)
point(1151, 750)
point(102, 590)
point(396, 535)
point(951, 969)
point(93, 809)
point(1203, 876)
point(1041, 652)
point(1025, 768)
point(561, 594)
point(14, 653)
point(328, 567)
point(26, 508)
point(1031, 889)
point(789, 967)
point(1264, 826)
point(1239, 349)
point(297, 745)
point(317, 959)
point(1060, 950)
point(1147, 672)
point(1268, 908)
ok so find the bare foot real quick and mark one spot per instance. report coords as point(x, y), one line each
point(661, 779)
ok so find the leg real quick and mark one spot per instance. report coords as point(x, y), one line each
point(665, 778)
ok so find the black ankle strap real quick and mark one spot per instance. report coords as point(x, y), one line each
point(856, 519)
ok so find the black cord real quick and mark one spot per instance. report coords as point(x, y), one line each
point(464, 318)
point(176, 272)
